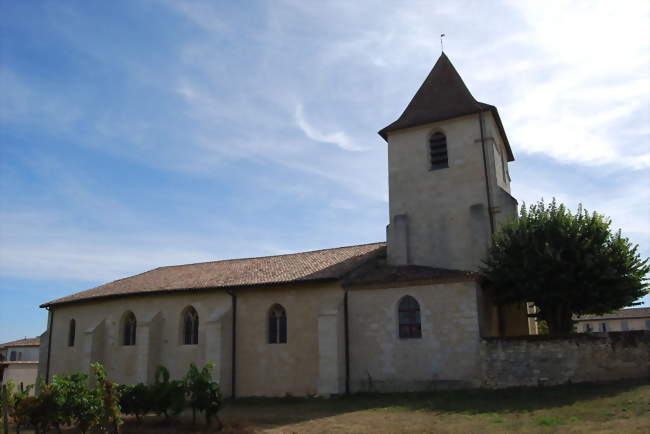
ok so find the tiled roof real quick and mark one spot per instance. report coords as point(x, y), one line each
point(328, 264)
point(634, 312)
point(443, 95)
point(26, 342)
point(376, 272)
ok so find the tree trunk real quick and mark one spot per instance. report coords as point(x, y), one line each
point(558, 317)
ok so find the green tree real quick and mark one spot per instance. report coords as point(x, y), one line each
point(19, 409)
point(203, 394)
point(135, 399)
point(44, 410)
point(80, 404)
point(565, 263)
point(109, 414)
point(167, 396)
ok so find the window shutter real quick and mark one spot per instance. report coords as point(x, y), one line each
point(438, 151)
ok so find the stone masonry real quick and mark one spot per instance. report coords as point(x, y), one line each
point(541, 360)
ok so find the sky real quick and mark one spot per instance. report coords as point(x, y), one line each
point(141, 133)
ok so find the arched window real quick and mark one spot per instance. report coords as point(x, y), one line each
point(438, 151)
point(129, 324)
point(190, 326)
point(277, 325)
point(409, 318)
point(71, 333)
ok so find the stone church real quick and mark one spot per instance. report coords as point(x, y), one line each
point(401, 315)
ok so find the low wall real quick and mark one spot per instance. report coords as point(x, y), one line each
point(20, 372)
point(540, 360)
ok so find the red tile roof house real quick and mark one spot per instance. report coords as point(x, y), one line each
point(399, 315)
point(19, 361)
point(636, 318)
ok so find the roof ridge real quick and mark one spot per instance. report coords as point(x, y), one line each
point(261, 257)
point(272, 269)
point(233, 259)
point(18, 341)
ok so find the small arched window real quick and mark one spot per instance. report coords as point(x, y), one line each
point(277, 325)
point(129, 325)
point(409, 318)
point(190, 326)
point(71, 332)
point(438, 151)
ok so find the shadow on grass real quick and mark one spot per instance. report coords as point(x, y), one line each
point(270, 412)
point(247, 415)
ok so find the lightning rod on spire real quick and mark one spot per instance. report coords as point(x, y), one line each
point(442, 48)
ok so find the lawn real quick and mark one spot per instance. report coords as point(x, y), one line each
point(621, 407)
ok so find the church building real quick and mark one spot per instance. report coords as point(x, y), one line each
point(402, 315)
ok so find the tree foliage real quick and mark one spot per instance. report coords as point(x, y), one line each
point(136, 399)
point(203, 394)
point(69, 400)
point(565, 263)
point(109, 412)
point(80, 403)
point(168, 397)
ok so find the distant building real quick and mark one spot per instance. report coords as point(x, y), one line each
point(19, 361)
point(620, 321)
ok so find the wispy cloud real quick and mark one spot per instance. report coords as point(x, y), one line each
point(338, 138)
point(588, 81)
point(273, 110)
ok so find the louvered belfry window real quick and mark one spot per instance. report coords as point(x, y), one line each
point(438, 151)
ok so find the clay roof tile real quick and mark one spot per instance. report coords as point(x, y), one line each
point(318, 265)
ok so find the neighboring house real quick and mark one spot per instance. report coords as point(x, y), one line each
point(19, 361)
point(405, 314)
point(636, 318)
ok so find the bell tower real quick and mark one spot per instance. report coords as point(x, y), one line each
point(449, 186)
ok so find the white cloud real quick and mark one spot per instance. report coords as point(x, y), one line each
point(200, 13)
point(570, 80)
point(338, 138)
point(590, 76)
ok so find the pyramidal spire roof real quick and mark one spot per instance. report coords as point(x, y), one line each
point(442, 96)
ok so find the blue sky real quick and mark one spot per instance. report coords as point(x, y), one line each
point(143, 133)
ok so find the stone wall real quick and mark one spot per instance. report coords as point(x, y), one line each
point(447, 355)
point(541, 360)
point(440, 218)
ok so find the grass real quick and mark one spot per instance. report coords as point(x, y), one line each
point(622, 407)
